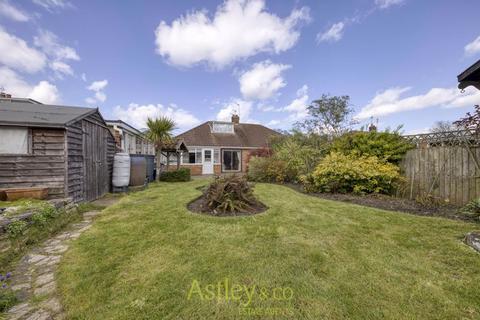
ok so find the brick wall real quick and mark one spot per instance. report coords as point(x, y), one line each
point(195, 170)
point(245, 158)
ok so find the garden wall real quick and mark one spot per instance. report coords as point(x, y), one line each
point(450, 173)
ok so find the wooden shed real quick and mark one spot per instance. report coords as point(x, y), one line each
point(67, 149)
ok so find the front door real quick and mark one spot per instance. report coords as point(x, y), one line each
point(207, 161)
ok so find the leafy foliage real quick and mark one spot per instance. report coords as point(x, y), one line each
point(388, 146)
point(230, 194)
point(348, 173)
point(471, 209)
point(328, 115)
point(182, 174)
point(16, 229)
point(7, 299)
point(293, 154)
point(261, 169)
point(160, 133)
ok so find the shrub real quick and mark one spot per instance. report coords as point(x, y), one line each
point(267, 170)
point(346, 173)
point(7, 299)
point(388, 146)
point(298, 159)
point(16, 228)
point(230, 194)
point(471, 209)
point(182, 174)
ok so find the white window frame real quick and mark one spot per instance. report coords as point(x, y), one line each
point(239, 159)
point(221, 127)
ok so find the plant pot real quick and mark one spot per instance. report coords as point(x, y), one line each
point(22, 193)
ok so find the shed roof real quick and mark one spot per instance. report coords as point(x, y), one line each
point(246, 135)
point(471, 76)
point(22, 112)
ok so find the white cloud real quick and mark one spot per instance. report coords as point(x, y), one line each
point(263, 80)
point(273, 123)
point(473, 47)
point(12, 12)
point(61, 68)
point(57, 52)
point(53, 5)
point(137, 115)
point(390, 101)
point(384, 4)
point(44, 91)
point(299, 105)
point(98, 85)
point(16, 54)
point(98, 88)
point(239, 29)
point(333, 34)
point(238, 106)
point(50, 44)
point(84, 77)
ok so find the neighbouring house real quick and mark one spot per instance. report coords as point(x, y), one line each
point(217, 147)
point(129, 139)
point(69, 150)
point(470, 77)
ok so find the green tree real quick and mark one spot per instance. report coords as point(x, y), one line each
point(160, 133)
point(328, 115)
point(388, 146)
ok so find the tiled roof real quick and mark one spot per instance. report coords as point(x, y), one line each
point(247, 135)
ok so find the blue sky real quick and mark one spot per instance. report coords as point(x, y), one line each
point(202, 60)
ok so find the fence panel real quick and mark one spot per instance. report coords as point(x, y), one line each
point(450, 173)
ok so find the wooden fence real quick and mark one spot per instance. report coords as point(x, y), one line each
point(444, 166)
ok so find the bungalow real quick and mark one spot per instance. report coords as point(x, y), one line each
point(217, 147)
point(130, 139)
point(68, 150)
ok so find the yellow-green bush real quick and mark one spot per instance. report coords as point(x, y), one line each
point(347, 173)
point(267, 169)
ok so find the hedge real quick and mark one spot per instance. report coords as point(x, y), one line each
point(182, 174)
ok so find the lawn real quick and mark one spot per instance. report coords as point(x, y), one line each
point(148, 257)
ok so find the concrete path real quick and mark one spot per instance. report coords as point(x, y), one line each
point(34, 276)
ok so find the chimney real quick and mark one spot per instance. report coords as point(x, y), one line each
point(235, 119)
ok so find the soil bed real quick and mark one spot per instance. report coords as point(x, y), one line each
point(385, 202)
point(199, 206)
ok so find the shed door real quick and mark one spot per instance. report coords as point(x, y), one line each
point(96, 168)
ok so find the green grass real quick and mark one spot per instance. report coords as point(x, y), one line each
point(339, 261)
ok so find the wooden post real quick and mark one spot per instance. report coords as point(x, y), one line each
point(168, 160)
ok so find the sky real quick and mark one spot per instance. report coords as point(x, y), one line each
point(195, 61)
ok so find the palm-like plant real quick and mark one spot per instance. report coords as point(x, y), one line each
point(160, 133)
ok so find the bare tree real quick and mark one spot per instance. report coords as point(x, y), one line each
point(443, 126)
point(470, 121)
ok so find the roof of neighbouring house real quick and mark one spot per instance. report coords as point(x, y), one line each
point(246, 135)
point(471, 76)
point(124, 125)
point(18, 111)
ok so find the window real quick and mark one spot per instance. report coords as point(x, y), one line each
point(208, 156)
point(231, 160)
point(222, 127)
point(13, 140)
point(193, 156)
point(216, 156)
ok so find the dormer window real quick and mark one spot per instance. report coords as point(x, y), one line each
point(222, 127)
